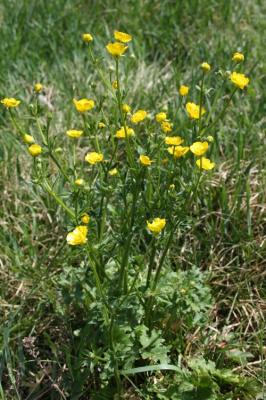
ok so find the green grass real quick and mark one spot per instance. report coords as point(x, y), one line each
point(221, 248)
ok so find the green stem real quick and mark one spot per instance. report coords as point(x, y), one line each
point(124, 262)
point(201, 100)
point(158, 273)
point(151, 263)
point(44, 139)
point(222, 113)
point(122, 116)
point(15, 124)
point(57, 163)
point(46, 186)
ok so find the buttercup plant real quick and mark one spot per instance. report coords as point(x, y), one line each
point(137, 186)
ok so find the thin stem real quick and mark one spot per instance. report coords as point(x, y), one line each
point(124, 262)
point(122, 116)
point(46, 186)
point(15, 124)
point(151, 263)
point(201, 100)
point(220, 116)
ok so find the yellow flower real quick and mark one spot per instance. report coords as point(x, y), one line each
point(138, 116)
point(121, 133)
point(87, 37)
point(116, 49)
point(166, 126)
point(238, 57)
point(160, 117)
point(183, 90)
point(85, 218)
point(35, 150)
point(194, 110)
point(206, 67)
point(28, 139)
point(178, 151)
point(38, 87)
point(199, 148)
point(94, 158)
point(126, 108)
point(157, 225)
point(210, 138)
point(145, 160)
point(205, 163)
point(83, 105)
point(173, 140)
point(10, 102)
point(79, 182)
point(113, 172)
point(172, 186)
point(101, 125)
point(73, 133)
point(122, 37)
point(77, 236)
point(115, 85)
point(240, 80)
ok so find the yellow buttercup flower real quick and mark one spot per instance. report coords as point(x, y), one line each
point(79, 182)
point(73, 133)
point(113, 172)
point(172, 186)
point(199, 148)
point(10, 102)
point(194, 110)
point(116, 49)
point(138, 116)
point(35, 150)
point(210, 138)
point(161, 116)
point(178, 151)
point(83, 105)
point(115, 85)
point(183, 90)
point(145, 160)
point(206, 67)
point(173, 140)
point(28, 139)
point(126, 108)
point(157, 225)
point(240, 80)
point(94, 158)
point(87, 37)
point(205, 163)
point(85, 218)
point(122, 133)
point(101, 125)
point(38, 87)
point(167, 126)
point(78, 236)
point(238, 57)
point(122, 37)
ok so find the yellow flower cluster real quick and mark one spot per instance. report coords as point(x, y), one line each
point(94, 157)
point(78, 236)
point(10, 102)
point(123, 132)
point(83, 105)
point(138, 116)
point(194, 111)
point(157, 225)
point(239, 80)
point(73, 133)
